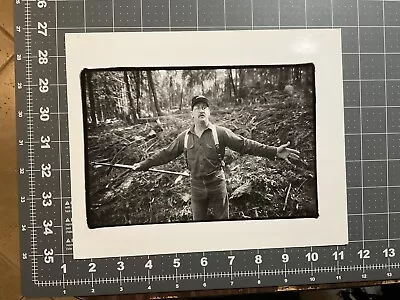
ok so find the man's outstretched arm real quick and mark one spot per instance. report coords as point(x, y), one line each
point(163, 156)
point(247, 146)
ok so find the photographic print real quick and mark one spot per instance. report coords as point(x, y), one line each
point(206, 137)
point(249, 153)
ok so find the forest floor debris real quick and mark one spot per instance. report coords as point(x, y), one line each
point(258, 187)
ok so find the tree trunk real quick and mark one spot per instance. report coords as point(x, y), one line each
point(273, 78)
point(241, 83)
point(181, 100)
point(215, 94)
point(233, 84)
point(171, 93)
point(282, 78)
point(136, 76)
point(109, 112)
point(132, 110)
point(91, 98)
point(101, 94)
point(236, 78)
point(291, 76)
point(153, 92)
point(298, 77)
point(100, 110)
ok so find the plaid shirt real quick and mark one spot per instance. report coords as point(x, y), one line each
point(201, 152)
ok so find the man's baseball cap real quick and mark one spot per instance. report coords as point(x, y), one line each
point(200, 99)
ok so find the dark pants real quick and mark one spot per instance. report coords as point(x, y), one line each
point(210, 192)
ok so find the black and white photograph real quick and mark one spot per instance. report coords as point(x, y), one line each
point(215, 140)
point(199, 144)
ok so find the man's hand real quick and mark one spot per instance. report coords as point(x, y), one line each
point(137, 167)
point(285, 153)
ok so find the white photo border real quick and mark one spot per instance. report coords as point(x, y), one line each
point(322, 47)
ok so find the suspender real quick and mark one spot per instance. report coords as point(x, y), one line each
point(216, 143)
point(185, 143)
